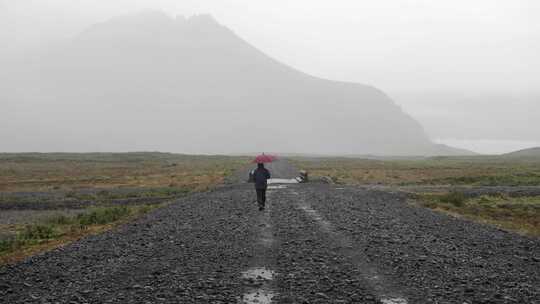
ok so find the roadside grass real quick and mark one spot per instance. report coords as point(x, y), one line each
point(60, 229)
point(517, 214)
point(509, 179)
point(102, 178)
point(520, 214)
point(465, 171)
point(104, 197)
point(23, 172)
point(108, 195)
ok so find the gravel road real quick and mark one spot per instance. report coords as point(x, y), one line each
point(315, 243)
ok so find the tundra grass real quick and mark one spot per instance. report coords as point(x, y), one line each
point(24, 172)
point(520, 214)
point(517, 214)
point(465, 171)
point(101, 178)
point(98, 196)
point(108, 195)
point(60, 229)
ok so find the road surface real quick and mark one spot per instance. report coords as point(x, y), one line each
point(315, 243)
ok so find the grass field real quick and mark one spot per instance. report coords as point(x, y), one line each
point(110, 188)
point(149, 180)
point(520, 214)
point(59, 229)
point(473, 171)
point(66, 171)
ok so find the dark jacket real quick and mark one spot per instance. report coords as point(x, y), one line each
point(260, 176)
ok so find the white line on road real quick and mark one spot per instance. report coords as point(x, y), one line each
point(325, 225)
point(370, 273)
point(267, 237)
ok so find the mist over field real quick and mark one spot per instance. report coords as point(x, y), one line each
point(392, 78)
point(269, 152)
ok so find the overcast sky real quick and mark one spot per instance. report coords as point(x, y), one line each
point(437, 59)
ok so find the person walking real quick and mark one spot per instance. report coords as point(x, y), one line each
point(260, 177)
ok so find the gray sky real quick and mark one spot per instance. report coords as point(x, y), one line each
point(442, 61)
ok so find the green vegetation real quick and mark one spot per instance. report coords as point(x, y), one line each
point(473, 171)
point(66, 227)
point(73, 171)
point(521, 214)
point(518, 214)
point(37, 232)
point(107, 195)
point(456, 199)
point(101, 178)
point(100, 197)
point(507, 179)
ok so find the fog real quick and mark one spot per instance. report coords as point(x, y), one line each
point(467, 71)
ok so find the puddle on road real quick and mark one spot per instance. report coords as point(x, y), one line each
point(277, 187)
point(283, 181)
point(394, 301)
point(267, 242)
point(258, 273)
point(262, 295)
point(258, 297)
point(267, 238)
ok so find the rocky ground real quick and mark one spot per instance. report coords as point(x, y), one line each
point(315, 243)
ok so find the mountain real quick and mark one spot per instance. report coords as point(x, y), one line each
point(530, 152)
point(445, 150)
point(151, 82)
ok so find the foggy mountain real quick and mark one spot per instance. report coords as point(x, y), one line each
point(151, 82)
point(531, 152)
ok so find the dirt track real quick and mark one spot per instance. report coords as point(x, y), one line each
point(315, 243)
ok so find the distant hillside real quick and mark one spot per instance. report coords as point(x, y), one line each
point(442, 149)
point(151, 82)
point(531, 152)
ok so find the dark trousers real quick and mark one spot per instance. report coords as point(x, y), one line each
point(261, 197)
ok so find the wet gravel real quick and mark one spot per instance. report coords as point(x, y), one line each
point(188, 252)
point(436, 258)
point(310, 265)
point(357, 246)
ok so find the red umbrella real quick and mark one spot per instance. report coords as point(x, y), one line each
point(263, 158)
